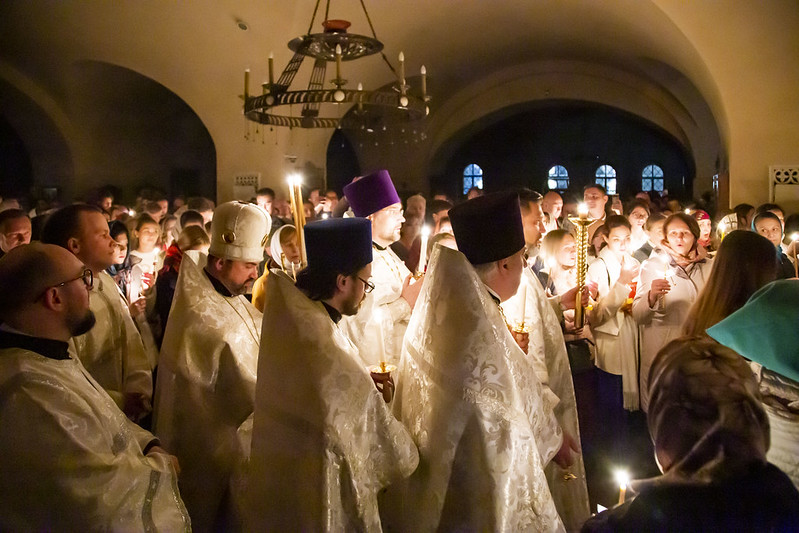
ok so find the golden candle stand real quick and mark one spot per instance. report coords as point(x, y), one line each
point(581, 222)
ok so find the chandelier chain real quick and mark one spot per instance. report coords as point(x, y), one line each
point(313, 17)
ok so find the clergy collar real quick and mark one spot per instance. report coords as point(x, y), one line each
point(50, 348)
point(218, 285)
point(494, 296)
point(334, 313)
point(379, 248)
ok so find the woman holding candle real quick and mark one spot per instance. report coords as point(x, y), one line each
point(670, 282)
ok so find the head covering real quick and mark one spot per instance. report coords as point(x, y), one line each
point(766, 329)
point(276, 247)
point(239, 232)
point(701, 215)
point(371, 193)
point(341, 245)
point(705, 410)
point(488, 228)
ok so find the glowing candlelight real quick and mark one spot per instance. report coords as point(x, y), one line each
point(377, 314)
point(722, 229)
point(295, 198)
point(623, 479)
point(425, 233)
point(523, 308)
point(582, 210)
point(687, 211)
point(271, 70)
point(424, 82)
point(402, 73)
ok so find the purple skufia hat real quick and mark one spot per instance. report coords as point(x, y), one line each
point(371, 193)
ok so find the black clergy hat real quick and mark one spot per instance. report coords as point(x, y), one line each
point(340, 245)
point(488, 228)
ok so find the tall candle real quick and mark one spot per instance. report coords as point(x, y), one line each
point(246, 83)
point(377, 314)
point(338, 62)
point(623, 479)
point(582, 210)
point(271, 69)
point(425, 233)
point(424, 82)
point(523, 308)
point(402, 72)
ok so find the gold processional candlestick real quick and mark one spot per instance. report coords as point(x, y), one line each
point(581, 222)
point(295, 198)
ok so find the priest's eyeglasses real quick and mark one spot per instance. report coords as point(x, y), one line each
point(86, 276)
point(368, 286)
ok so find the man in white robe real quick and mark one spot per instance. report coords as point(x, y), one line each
point(112, 351)
point(324, 441)
point(209, 359)
point(468, 394)
point(389, 306)
point(70, 459)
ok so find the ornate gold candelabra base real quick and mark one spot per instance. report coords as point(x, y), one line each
point(581, 223)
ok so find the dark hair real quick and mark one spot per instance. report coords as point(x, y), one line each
point(190, 216)
point(762, 208)
point(791, 223)
point(595, 186)
point(638, 203)
point(690, 221)
point(741, 211)
point(199, 204)
point(11, 214)
point(436, 206)
point(617, 221)
point(191, 237)
point(144, 218)
point(64, 224)
point(320, 284)
point(745, 262)
point(603, 231)
point(265, 191)
point(115, 229)
point(527, 197)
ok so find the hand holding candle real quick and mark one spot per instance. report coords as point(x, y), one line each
point(623, 479)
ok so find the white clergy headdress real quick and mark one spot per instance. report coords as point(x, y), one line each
point(239, 232)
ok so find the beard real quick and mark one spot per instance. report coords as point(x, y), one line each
point(351, 307)
point(83, 324)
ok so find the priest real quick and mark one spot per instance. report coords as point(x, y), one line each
point(388, 307)
point(469, 395)
point(324, 441)
point(209, 358)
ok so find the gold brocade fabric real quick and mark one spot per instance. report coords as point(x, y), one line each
point(71, 460)
point(548, 349)
point(324, 442)
point(476, 409)
point(206, 387)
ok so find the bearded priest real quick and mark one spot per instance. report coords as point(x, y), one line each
point(324, 441)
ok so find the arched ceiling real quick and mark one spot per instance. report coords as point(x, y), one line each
point(704, 62)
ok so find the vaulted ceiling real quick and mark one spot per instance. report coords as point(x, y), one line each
point(718, 76)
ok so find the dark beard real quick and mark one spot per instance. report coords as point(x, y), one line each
point(83, 325)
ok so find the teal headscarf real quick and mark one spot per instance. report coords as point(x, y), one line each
point(766, 329)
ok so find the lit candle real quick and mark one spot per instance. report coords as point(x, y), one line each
point(402, 72)
point(424, 83)
point(425, 233)
point(582, 210)
point(246, 83)
point(623, 479)
point(687, 211)
point(338, 62)
point(377, 314)
point(360, 96)
point(523, 308)
point(722, 229)
point(271, 70)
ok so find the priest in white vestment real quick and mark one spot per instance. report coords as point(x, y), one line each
point(112, 351)
point(324, 441)
point(469, 395)
point(547, 351)
point(389, 306)
point(209, 359)
point(70, 459)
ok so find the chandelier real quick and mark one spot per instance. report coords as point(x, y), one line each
point(320, 105)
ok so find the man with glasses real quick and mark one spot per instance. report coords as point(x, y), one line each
point(70, 458)
point(113, 351)
point(324, 442)
point(389, 306)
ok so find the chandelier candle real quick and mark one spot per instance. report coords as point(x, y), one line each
point(424, 83)
point(271, 70)
point(402, 73)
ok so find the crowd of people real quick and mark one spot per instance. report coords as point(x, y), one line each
point(398, 364)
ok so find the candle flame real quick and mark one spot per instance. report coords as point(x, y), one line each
point(582, 208)
point(622, 478)
point(294, 179)
point(687, 211)
point(795, 236)
point(425, 231)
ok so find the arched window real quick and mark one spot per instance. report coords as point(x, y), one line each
point(472, 177)
point(652, 179)
point(558, 178)
point(606, 176)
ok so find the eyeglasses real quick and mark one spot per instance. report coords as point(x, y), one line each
point(368, 286)
point(86, 276)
